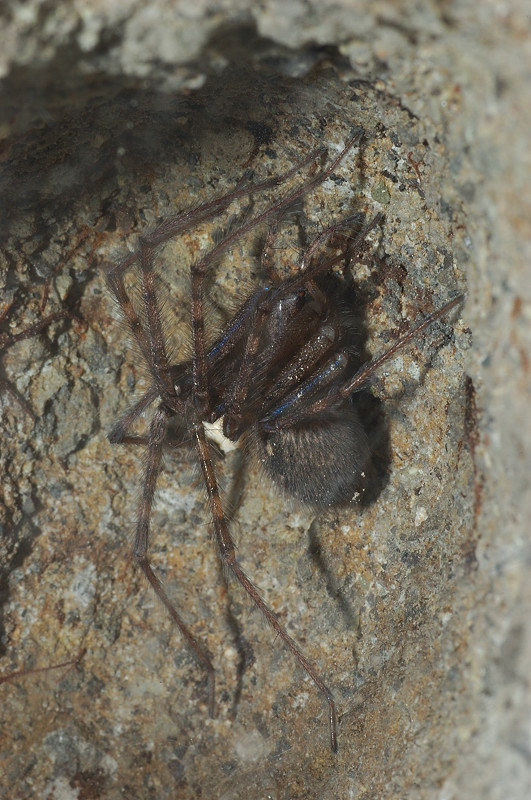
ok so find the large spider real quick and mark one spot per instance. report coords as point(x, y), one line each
point(282, 373)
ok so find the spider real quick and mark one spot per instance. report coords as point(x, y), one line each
point(282, 373)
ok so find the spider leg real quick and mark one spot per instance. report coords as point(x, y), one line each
point(118, 435)
point(236, 330)
point(304, 362)
point(227, 554)
point(325, 234)
point(266, 259)
point(158, 362)
point(117, 286)
point(360, 378)
point(151, 342)
point(157, 433)
point(295, 407)
point(309, 271)
point(143, 441)
point(173, 226)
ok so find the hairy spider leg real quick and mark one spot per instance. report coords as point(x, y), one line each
point(361, 376)
point(118, 435)
point(327, 233)
point(154, 350)
point(153, 347)
point(292, 409)
point(266, 258)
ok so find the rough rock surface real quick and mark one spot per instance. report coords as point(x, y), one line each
point(415, 607)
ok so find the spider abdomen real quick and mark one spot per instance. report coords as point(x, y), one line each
point(319, 461)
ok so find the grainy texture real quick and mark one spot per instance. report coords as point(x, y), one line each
point(414, 608)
